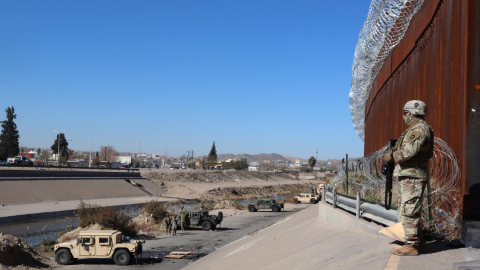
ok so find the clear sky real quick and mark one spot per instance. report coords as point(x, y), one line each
point(253, 76)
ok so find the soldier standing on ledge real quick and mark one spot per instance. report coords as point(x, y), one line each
point(411, 154)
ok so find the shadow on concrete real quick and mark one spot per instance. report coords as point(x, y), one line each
point(133, 261)
point(436, 246)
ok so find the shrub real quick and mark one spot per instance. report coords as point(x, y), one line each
point(296, 174)
point(290, 199)
point(239, 206)
point(49, 242)
point(158, 211)
point(107, 217)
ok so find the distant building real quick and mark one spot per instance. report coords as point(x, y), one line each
point(252, 169)
point(124, 160)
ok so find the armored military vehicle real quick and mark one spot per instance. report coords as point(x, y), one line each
point(98, 244)
point(310, 197)
point(266, 204)
point(203, 219)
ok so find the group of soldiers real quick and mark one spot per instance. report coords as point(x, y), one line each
point(171, 224)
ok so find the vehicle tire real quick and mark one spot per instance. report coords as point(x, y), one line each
point(206, 226)
point(313, 201)
point(63, 256)
point(275, 209)
point(219, 217)
point(252, 208)
point(121, 257)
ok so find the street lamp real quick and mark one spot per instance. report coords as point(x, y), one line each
point(140, 156)
point(58, 143)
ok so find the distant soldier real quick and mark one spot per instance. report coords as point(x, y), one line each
point(168, 223)
point(411, 154)
point(174, 225)
point(183, 217)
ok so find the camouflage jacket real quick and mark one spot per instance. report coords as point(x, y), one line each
point(414, 152)
point(167, 221)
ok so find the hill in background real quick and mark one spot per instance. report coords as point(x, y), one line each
point(275, 157)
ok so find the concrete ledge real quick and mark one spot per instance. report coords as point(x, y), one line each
point(340, 218)
point(54, 214)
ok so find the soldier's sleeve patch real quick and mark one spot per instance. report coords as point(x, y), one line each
point(412, 136)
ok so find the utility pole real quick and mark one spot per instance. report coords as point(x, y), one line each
point(140, 156)
point(91, 131)
point(166, 155)
point(193, 161)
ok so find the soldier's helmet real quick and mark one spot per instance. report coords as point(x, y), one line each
point(416, 107)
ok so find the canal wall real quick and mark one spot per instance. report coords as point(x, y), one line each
point(39, 186)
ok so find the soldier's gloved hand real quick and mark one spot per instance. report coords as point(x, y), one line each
point(388, 158)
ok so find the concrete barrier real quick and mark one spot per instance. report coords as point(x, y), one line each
point(340, 218)
point(35, 186)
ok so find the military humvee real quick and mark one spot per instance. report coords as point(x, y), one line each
point(202, 218)
point(307, 198)
point(266, 204)
point(310, 197)
point(98, 244)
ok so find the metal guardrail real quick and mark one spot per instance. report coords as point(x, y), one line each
point(72, 168)
point(361, 208)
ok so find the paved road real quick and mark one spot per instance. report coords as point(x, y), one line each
point(233, 228)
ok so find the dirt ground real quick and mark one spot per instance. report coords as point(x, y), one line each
point(191, 184)
point(16, 254)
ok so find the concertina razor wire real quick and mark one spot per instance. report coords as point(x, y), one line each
point(385, 27)
point(365, 177)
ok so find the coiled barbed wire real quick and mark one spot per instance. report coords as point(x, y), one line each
point(385, 27)
point(364, 176)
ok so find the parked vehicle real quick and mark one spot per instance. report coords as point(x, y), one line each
point(23, 161)
point(98, 244)
point(3, 163)
point(266, 204)
point(203, 219)
point(310, 197)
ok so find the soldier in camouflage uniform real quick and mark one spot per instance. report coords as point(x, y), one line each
point(174, 225)
point(183, 216)
point(411, 154)
point(168, 224)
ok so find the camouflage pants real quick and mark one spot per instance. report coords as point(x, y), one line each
point(410, 208)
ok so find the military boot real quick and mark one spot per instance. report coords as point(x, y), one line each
point(405, 250)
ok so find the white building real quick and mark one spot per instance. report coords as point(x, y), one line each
point(124, 160)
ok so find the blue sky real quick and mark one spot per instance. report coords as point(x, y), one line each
point(253, 76)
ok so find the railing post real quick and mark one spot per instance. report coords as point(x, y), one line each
point(334, 198)
point(346, 172)
point(358, 205)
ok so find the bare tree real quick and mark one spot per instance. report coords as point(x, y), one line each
point(110, 153)
point(45, 154)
